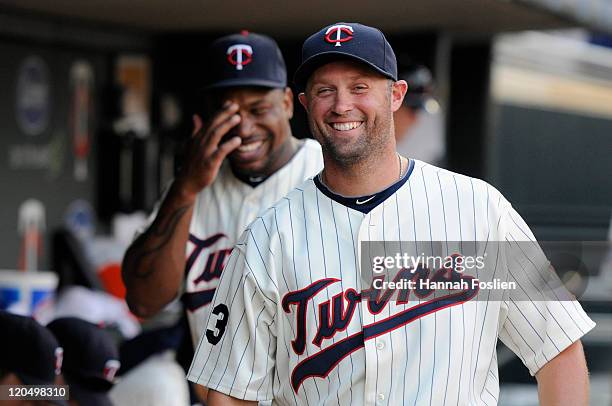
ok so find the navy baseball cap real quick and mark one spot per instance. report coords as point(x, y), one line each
point(245, 59)
point(346, 41)
point(29, 350)
point(91, 359)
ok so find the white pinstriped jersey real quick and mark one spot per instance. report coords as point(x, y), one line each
point(221, 213)
point(288, 323)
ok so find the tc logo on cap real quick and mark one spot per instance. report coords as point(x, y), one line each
point(341, 32)
point(59, 360)
point(110, 369)
point(239, 55)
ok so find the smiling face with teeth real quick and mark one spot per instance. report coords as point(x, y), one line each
point(350, 111)
point(267, 143)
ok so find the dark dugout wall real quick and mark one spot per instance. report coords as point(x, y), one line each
point(39, 156)
point(41, 108)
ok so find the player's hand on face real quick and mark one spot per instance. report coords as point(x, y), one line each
point(207, 148)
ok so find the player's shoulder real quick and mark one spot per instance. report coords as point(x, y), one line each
point(458, 183)
point(268, 228)
point(306, 162)
point(434, 173)
point(312, 146)
point(311, 152)
point(288, 205)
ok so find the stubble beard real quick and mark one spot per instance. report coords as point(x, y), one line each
point(364, 151)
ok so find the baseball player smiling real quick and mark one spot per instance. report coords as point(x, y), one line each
point(213, 199)
point(291, 320)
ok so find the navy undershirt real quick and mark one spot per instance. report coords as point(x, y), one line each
point(365, 204)
point(252, 181)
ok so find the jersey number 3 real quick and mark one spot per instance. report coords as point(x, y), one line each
point(221, 313)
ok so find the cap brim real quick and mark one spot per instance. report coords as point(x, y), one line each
point(316, 61)
point(89, 397)
point(238, 82)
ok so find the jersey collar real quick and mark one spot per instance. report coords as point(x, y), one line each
point(364, 204)
point(254, 181)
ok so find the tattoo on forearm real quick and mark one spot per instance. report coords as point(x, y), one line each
point(162, 230)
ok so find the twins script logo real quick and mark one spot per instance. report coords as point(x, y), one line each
point(339, 33)
point(212, 269)
point(335, 315)
point(240, 55)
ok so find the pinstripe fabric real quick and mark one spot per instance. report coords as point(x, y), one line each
point(300, 259)
point(226, 208)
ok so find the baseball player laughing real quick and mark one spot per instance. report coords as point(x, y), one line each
point(213, 199)
point(292, 321)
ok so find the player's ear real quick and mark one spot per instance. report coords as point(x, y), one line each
point(398, 91)
point(303, 101)
point(288, 102)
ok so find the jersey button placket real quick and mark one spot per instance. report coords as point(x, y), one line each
point(247, 212)
point(367, 319)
